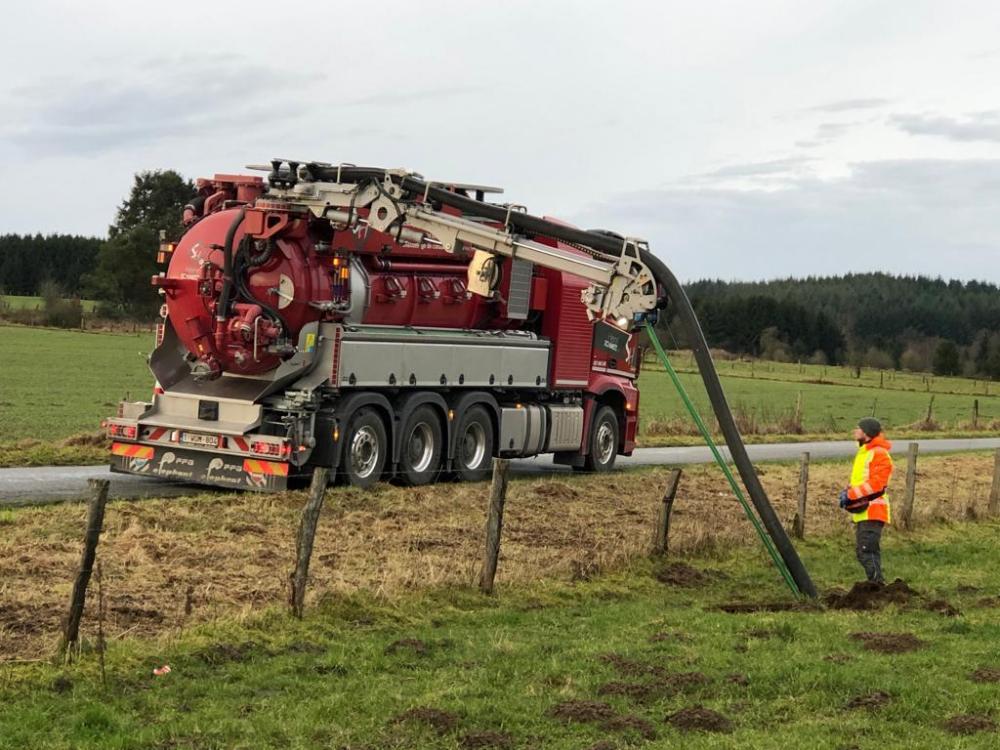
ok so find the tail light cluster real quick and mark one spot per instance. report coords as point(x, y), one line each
point(281, 450)
point(121, 430)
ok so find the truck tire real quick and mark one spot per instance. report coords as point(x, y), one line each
point(603, 441)
point(473, 445)
point(365, 448)
point(420, 447)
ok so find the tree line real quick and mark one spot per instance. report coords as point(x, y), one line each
point(869, 319)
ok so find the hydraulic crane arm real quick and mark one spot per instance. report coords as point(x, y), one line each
point(622, 287)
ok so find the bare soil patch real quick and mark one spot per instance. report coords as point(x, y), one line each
point(989, 602)
point(596, 712)
point(865, 595)
point(942, 607)
point(483, 740)
point(970, 724)
point(889, 643)
point(440, 721)
point(679, 574)
point(985, 674)
point(869, 701)
point(699, 718)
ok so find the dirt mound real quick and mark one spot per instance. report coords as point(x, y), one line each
point(630, 667)
point(440, 721)
point(87, 439)
point(985, 674)
point(866, 595)
point(630, 723)
point(989, 601)
point(679, 574)
point(738, 679)
point(636, 691)
point(479, 740)
point(838, 658)
point(699, 718)
point(582, 711)
point(870, 701)
point(889, 643)
point(557, 491)
point(665, 684)
point(602, 745)
point(942, 607)
point(970, 724)
point(408, 645)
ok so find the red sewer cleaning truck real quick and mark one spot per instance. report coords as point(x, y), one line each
point(384, 326)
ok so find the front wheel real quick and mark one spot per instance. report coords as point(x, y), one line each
point(603, 442)
point(365, 449)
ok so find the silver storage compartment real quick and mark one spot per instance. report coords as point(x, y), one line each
point(565, 428)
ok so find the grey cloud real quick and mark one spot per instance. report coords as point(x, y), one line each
point(977, 126)
point(935, 217)
point(757, 169)
point(848, 105)
point(93, 114)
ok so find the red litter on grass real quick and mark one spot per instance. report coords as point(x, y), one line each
point(160, 671)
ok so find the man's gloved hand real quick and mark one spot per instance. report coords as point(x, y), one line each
point(843, 499)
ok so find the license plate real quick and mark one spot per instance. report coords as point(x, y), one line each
point(196, 438)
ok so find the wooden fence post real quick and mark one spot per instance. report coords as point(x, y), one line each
point(95, 523)
point(994, 505)
point(799, 522)
point(911, 486)
point(661, 532)
point(304, 540)
point(975, 413)
point(494, 524)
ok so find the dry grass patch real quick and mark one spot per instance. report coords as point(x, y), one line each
point(170, 563)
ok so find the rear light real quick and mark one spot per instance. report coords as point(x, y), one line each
point(282, 450)
point(122, 431)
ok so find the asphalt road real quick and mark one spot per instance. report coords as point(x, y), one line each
point(53, 484)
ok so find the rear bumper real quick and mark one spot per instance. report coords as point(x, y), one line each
point(199, 467)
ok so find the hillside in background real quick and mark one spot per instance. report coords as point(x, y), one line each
point(873, 319)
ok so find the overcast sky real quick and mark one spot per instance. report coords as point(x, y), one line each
point(743, 140)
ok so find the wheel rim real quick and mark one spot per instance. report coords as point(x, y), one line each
point(364, 452)
point(473, 446)
point(605, 442)
point(420, 447)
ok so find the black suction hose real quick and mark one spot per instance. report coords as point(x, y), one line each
point(227, 266)
point(529, 224)
point(727, 424)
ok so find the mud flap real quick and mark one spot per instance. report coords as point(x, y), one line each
point(199, 468)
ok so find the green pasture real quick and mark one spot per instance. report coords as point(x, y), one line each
point(622, 653)
point(55, 383)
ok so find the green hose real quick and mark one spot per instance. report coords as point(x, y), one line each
point(737, 490)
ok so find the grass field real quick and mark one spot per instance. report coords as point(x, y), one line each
point(624, 653)
point(55, 384)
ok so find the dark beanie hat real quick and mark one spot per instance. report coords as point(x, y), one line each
point(870, 426)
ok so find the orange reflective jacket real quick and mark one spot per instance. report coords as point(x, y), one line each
point(870, 480)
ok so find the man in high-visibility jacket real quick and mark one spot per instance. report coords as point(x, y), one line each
point(866, 498)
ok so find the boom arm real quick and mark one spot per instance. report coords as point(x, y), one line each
point(622, 288)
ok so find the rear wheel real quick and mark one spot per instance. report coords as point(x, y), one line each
point(603, 441)
point(365, 449)
point(473, 445)
point(421, 447)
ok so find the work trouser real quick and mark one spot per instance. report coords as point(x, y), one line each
point(868, 535)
